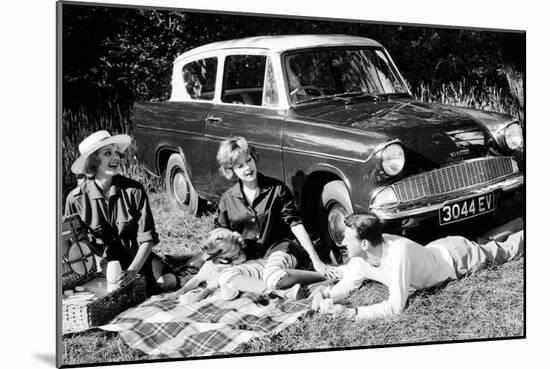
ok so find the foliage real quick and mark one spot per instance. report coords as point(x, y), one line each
point(123, 54)
point(484, 97)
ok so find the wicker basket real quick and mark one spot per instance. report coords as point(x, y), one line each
point(79, 267)
point(81, 316)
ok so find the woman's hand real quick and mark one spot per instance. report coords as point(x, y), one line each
point(127, 276)
point(327, 270)
point(320, 267)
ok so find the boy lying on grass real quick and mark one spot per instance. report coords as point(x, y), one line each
point(404, 265)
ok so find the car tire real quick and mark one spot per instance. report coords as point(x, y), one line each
point(179, 188)
point(333, 206)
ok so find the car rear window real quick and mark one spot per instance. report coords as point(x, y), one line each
point(199, 78)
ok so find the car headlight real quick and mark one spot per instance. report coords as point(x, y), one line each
point(513, 136)
point(393, 159)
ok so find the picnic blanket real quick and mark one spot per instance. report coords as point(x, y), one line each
point(212, 326)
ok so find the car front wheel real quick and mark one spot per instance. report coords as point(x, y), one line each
point(179, 188)
point(334, 206)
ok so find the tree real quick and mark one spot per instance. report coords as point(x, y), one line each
point(124, 54)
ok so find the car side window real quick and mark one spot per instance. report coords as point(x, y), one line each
point(271, 96)
point(199, 78)
point(244, 79)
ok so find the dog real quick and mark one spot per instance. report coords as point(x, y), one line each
point(223, 248)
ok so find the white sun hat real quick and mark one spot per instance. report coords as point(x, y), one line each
point(94, 142)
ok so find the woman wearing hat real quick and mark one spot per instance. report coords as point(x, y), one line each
point(116, 210)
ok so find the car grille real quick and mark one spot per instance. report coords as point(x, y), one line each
point(454, 178)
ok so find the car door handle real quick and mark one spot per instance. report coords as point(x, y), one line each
point(212, 120)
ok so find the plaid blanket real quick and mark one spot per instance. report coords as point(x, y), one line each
point(162, 326)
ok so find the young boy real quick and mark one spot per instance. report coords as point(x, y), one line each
point(404, 265)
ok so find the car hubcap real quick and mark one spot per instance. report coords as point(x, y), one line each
point(336, 225)
point(180, 188)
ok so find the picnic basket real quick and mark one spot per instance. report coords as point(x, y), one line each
point(80, 272)
point(79, 315)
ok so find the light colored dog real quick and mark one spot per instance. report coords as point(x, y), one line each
point(223, 248)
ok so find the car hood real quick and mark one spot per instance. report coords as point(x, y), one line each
point(434, 134)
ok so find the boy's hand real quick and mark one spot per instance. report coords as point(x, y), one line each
point(316, 300)
point(318, 295)
point(336, 310)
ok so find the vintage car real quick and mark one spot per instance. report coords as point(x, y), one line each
point(332, 117)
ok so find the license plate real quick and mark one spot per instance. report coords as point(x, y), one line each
point(467, 208)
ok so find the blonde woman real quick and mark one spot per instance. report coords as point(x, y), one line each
point(116, 211)
point(262, 209)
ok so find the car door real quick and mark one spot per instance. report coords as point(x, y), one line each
point(248, 106)
point(195, 85)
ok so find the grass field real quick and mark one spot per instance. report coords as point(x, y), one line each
point(489, 304)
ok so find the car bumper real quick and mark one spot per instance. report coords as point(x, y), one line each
point(410, 213)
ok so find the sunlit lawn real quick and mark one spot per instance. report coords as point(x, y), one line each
point(488, 304)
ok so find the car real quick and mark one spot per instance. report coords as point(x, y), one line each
point(332, 117)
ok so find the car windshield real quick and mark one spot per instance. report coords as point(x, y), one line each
point(342, 72)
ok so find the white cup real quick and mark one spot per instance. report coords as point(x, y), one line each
point(113, 271)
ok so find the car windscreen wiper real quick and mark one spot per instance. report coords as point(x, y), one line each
point(344, 96)
point(357, 93)
point(396, 94)
point(314, 99)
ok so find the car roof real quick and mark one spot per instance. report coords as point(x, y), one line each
point(282, 43)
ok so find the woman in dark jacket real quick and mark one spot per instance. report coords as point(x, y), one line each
point(116, 211)
point(262, 209)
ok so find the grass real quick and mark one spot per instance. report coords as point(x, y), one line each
point(478, 97)
point(488, 304)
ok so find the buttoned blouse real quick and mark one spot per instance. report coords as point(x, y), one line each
point(264, 222)
point(124, 216)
